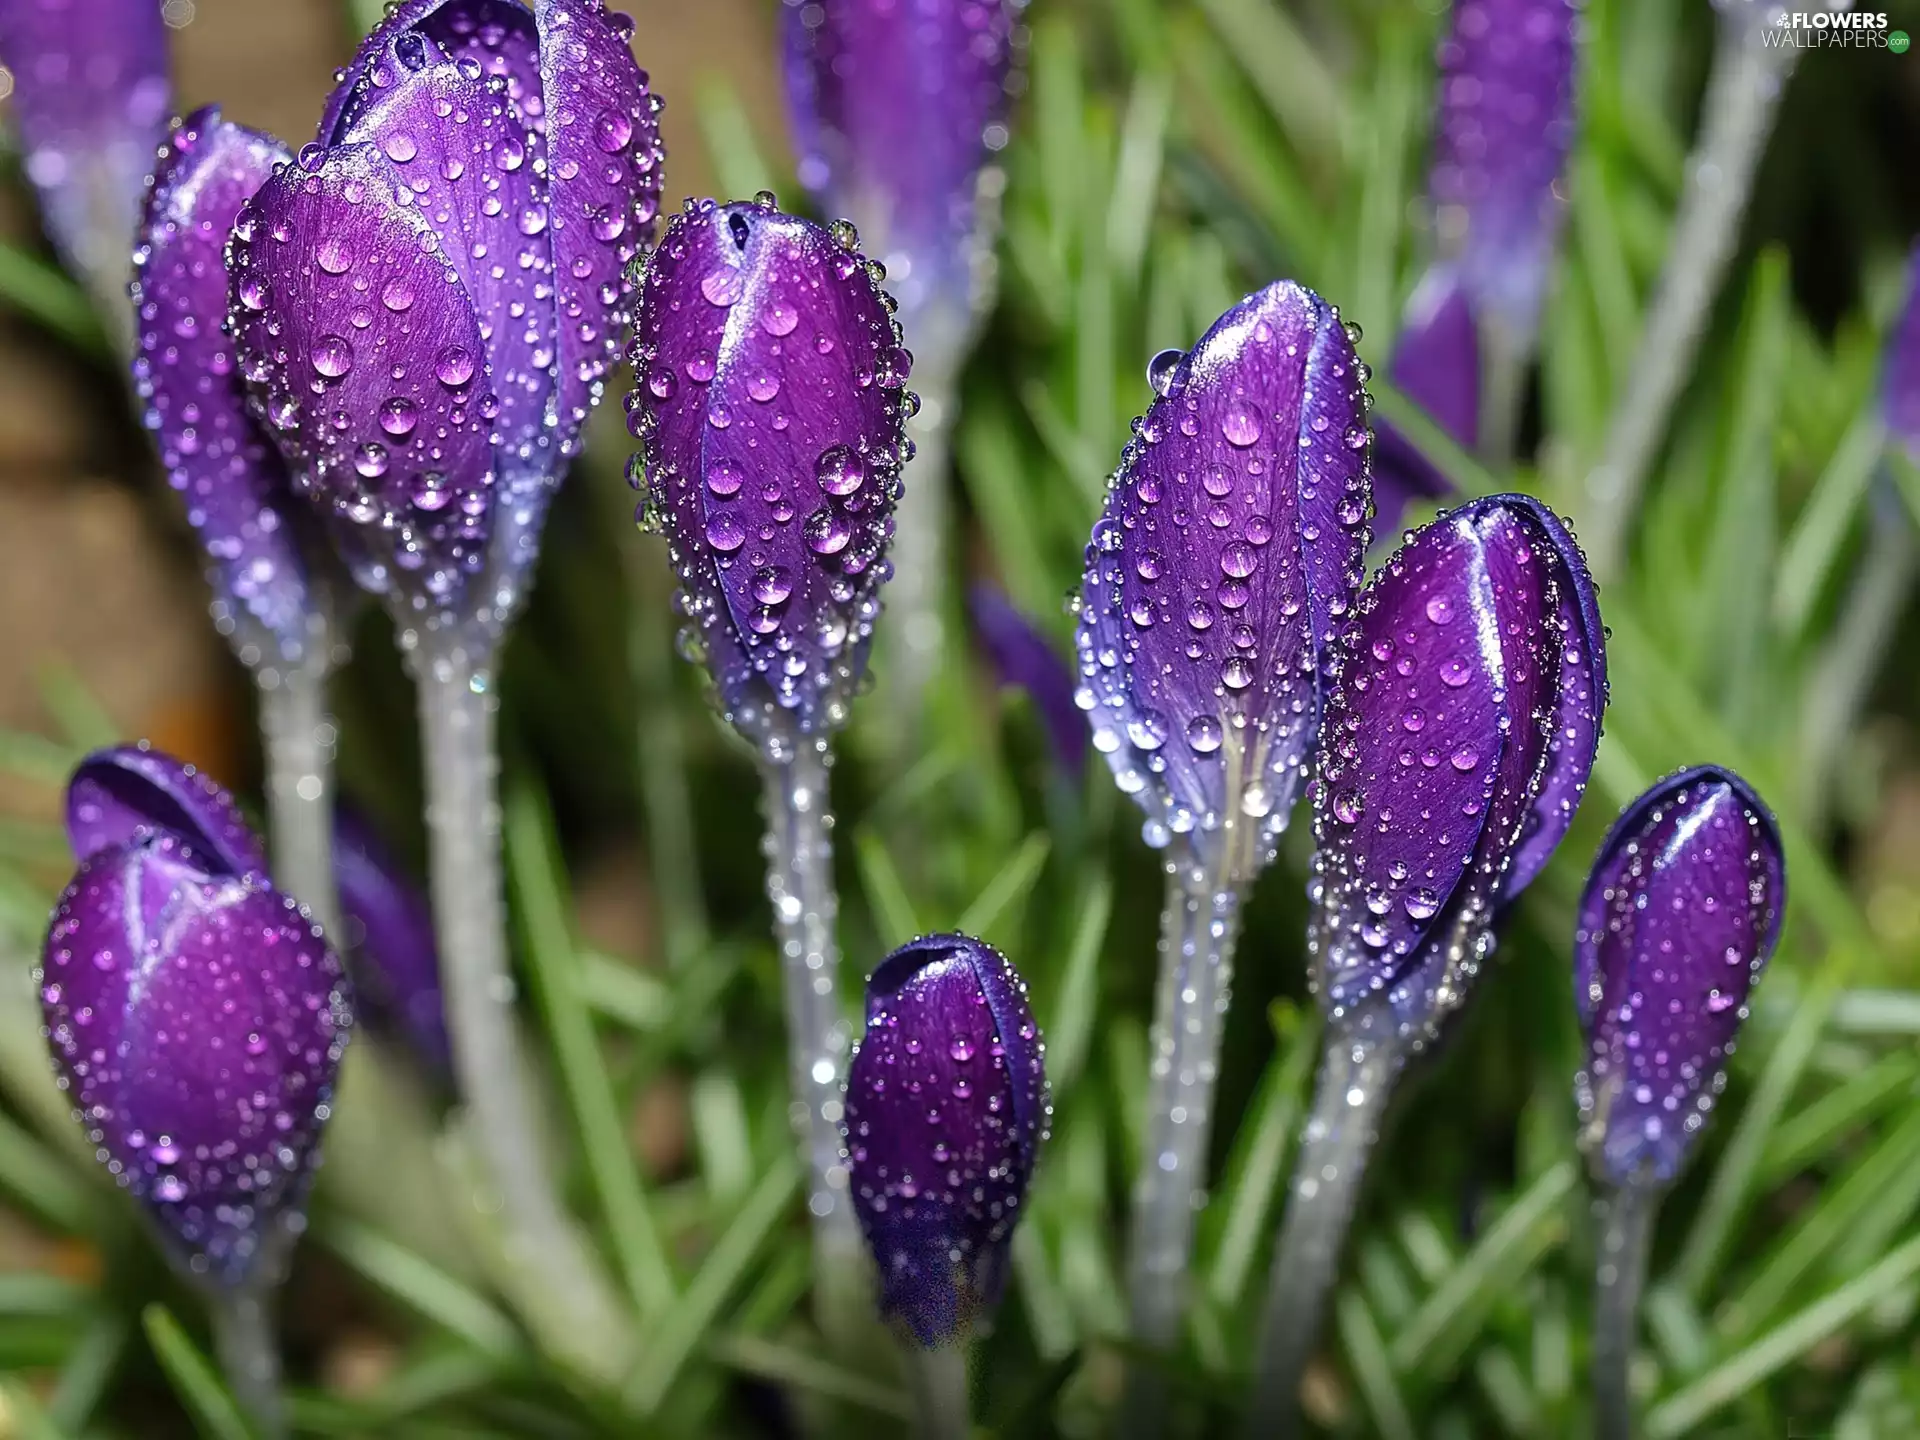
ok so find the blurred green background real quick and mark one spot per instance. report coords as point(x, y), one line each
point(1167, 158)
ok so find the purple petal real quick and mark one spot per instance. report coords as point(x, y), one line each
point(1900, 377)
point(1436, 363)
point(1679, 918)
point(1228, 554)
point(1435, 758)
point(389, 939)
point(769, 410)
point(197, 1022)
point(1502, 135)
point(898, 106)
point(118, 796)
point(239, 498)
point(90, 98)
point(362, 347)
point(1025, 659)
point(946, 1109)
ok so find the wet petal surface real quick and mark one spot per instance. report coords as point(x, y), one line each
point(118, 795)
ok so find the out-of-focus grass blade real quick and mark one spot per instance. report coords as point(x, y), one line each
point(37, 1295)
point(1680, 1335)
point(1388, 1286)
point(682, 1327)
point(1136, 175)
point(1813, 546)
point(1070, 1027)
point(35, 757)
point(42, 1181)
point(1296, 84)
point(1552, 1344)
point(75, 709)
point(1816, 1131)
point(1058, 111)
point(366, 14)
point(1373, 298)
point(1887, 1212)
point(89, 1368)
point(1007, 889)
point(1466, 474)
point(1604, 265)
point(1070, 446)
point(622, 992)
point(532, 864)
point(1431, 1253)
point(998, 483)
point(421, 1286)
point(1509, 1395)
point(1680, 1413)
point(893, 912)
point(194, 1379)
point(44, 294)
point(785, 1365)
point(1877, 1012)
point(32, 843)
point(25, 1419)
point(1532, 1224)
point(739, 163)
point(1048, 1313)
point(722, 1135)
point(1732, 1185)
point(1373, 1375)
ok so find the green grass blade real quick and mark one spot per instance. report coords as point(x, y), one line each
point(44, 294)
point(1877, 1013)
point(1007, 889)
point(1070, 1027)
point(533, 867)
point(1373, 1375)
point(1136, 177)
point(36, 758)
point(421, 1286)
point(89, 1369)
point(617, 990)
point(1813, 546)
point(1297, 85)
point(25, 1419)
point(779, 1364)
point(739, 162)
point(44, 1182)
point(893, 913)
point(722, 1135)
point(1463, 472)
point(1808, 1135)
point(76, 709)
point(215, 1413)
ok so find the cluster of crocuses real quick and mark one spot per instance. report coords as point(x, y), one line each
point(366, 366)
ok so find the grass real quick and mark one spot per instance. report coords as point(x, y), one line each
point(1167, 158)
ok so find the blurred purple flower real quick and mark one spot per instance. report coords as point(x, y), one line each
point(899, 106)
point(1024, 659)
point(90, 97)
point(1436, 363)
point(1457, 745)
point(389, 940)
point(946, 1110)
point(1679, 918)
point(1900, 376)
point(195, 1014)
point(428, 302)
point(238, 495)
point(1226, 560)
point(769, 409)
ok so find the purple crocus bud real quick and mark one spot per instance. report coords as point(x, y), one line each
point(899, 106)
point(1436, 364)
point(946, 1109)
point(389, 940)
point(428, 302)
point(1679, 918)
point(238, 496)
point(90, 99)
point(769, 411)
point(195, 1014)
point(1458, 742)
point(1225, 561)
point(1024, 659)
point(1502, 136)
point(1900, 374)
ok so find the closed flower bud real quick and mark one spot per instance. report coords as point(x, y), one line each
point(946, 1109)
point(1679, 918)
point(1025, 659)
point(1224, 563)
point(389, 941)
point(1436, 364)
point(1457, 746)
point(769, 407)
point(196, 1015)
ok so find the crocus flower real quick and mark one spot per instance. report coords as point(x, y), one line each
point(1679, 917)
point(389, 939)
point(769, 411)
point(1024, 659)
point(1224, 563)
point(946, 1109)
point(238, 495)
point(899, 107)
point(90, 99)
point(196, 1015)
point(427, 303)
point(1458, 744)
point(1436, 364)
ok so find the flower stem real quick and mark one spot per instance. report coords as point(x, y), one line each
point(298, 738)
point(1624, 1240)
point(937, 1378)
point(560, 1293)
point(244, 1338)
point(1198, 929)
point(799, 851)
point(1356, 1080)
point(1742, 93)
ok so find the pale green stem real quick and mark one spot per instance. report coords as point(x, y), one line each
point(298, 738)
point(1625, 1236)
point(937, 1379)
point(1356, 1080)
point(245, 1339)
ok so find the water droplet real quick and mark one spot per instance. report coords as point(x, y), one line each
point(840, 471)
point(772, 584)
point(827, 531)
point(1465, 758)
point(612, 129)
point(725, 533)
point(1422, 903)
point(331, 356)
point(1240, 425)
point(1455, 672)
point(370, 460)
point(723, 286)
point(724, 477)
point(1204, 734)
point(1440, 610)
point(398, 416)
point(454, 365)
point(332, 255)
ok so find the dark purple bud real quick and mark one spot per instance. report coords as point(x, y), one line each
point(1459, 739)
point(1436, 363)
point(1900, 374)
point(1502, 136)
point(389, 941)
point(439, 287)
point(1226, 559)
point(238, 495)
point(124, 794)
point(946, 1109)
point(90, 100)
point(769, 409)
point(1679, 918)
point(196, 1017)
point(898, 109)
point(1024, 659)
